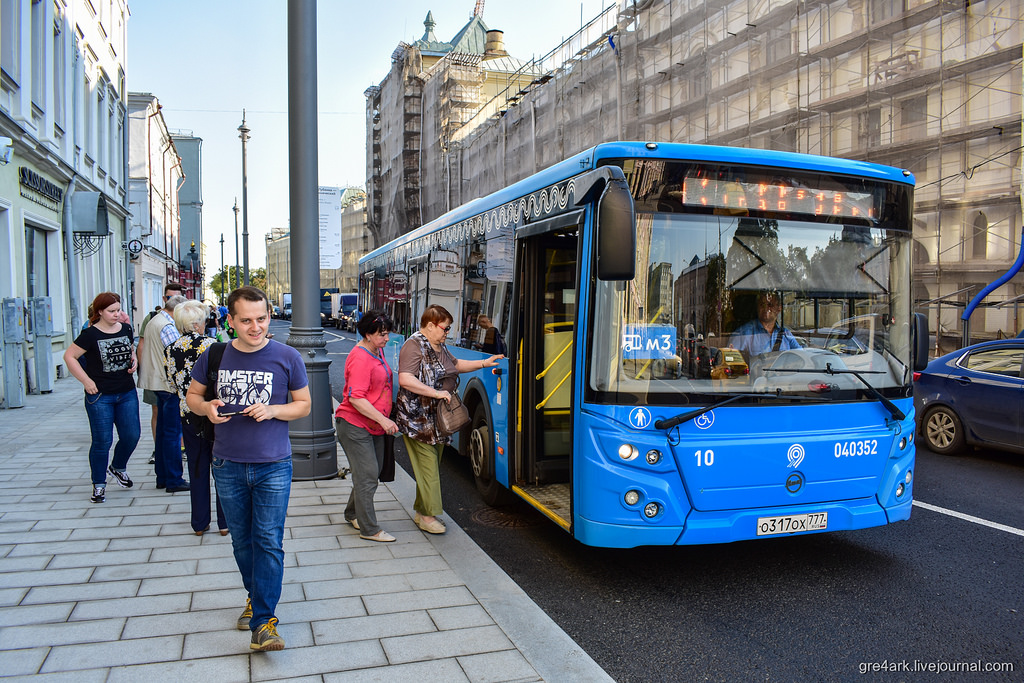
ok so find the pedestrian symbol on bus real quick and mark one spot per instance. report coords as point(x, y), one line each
point(640, 418)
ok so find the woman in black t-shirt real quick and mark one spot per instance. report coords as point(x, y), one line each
point(103, 359)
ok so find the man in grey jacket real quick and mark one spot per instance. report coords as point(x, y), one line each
point(160, 333)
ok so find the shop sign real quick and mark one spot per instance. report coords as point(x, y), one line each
point(39, 189)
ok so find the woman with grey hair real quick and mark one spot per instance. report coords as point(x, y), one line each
point(190, 319)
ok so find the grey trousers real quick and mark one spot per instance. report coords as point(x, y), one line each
point(365, 453)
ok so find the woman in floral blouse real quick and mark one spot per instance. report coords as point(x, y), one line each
point(190, 319)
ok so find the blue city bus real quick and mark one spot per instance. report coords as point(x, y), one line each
point(625, 285)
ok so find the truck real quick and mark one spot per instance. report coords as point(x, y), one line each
point(286, 306)
point(325, 305)
point(343, 310)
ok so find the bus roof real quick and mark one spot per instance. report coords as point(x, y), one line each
point(591, 158)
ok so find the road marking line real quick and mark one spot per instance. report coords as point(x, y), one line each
point(969, 518)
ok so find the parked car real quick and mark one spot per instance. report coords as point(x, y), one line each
point(286, 312)
point(972, 396)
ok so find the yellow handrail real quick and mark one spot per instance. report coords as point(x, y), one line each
point(555, 360)
point(548, 397)
point(651, 360)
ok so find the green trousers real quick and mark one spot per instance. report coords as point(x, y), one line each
point(426, 467)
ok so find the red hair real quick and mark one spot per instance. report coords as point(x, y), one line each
point(102, 302)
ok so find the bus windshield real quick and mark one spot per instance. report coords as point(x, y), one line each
point(725, 304)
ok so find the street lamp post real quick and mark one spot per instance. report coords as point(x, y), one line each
point(243, 133)
point(314, 449)
point(236, 243)
point(221, 302)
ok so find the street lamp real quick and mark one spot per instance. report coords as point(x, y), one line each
point(243, 133)
point(221, 302)
point(236, 243)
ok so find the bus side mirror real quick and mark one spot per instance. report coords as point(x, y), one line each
point(616, 233)
point(919, 341)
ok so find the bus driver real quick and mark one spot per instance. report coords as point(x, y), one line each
point(762, 335)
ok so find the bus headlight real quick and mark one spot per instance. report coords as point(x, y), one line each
point(900, 488)
point(909, 478)
point(628, 452)
point(632, 497)
point(903, 443)
point(653, 456)
point(651, 510)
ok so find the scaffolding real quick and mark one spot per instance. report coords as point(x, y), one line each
point(933, 86)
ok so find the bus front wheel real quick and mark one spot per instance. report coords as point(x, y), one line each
point(481, 456)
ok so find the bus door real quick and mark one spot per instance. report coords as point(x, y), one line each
point(547, 295)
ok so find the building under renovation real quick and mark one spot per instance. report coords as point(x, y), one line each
point(930, 86)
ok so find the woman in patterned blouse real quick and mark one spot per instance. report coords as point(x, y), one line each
point(190, 319)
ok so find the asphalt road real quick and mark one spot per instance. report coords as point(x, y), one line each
point(936, 591)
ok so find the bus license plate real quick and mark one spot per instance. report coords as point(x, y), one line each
point(792, 524)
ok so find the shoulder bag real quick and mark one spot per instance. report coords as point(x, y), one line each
point(201, 424)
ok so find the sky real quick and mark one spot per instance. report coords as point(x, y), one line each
point(207, 60)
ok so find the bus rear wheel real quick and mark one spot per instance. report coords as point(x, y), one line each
point(481, 457)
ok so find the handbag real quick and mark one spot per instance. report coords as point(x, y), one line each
point(451, 416)
point(200, 424)
point(387, 468)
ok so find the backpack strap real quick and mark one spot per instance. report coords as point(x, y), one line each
point(216, 352)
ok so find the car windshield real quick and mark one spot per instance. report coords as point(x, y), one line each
point(725, 304)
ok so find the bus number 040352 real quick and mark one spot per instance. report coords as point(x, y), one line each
point(849, 449)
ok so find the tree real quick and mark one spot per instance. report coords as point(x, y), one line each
point(257, 278)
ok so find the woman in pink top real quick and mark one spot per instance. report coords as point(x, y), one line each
point(362, 421)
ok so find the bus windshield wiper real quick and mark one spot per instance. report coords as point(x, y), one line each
point(829, 370)
point(686, 417)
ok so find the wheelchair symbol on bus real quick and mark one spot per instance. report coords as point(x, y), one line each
point(640, 418)
point(706, 420)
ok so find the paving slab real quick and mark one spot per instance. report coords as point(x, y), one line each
point(125, 591)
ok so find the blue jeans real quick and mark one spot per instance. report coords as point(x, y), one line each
point(107, 412)
point(200, 455)
point(255, 501)
point(167, 456)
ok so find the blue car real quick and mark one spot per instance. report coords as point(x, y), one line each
point(972, 396)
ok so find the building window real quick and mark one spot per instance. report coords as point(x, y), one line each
point(59, 69)
point(39, 54)
point(914, 110)
point(10, 39)
point(36, 261)
point(979, 237)
point(881, 10)
point(869, 125)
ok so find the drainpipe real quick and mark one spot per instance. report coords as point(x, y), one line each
point(66, 222)
point(1014, 269)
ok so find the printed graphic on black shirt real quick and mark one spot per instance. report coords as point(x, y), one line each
point(243, 388)
point(115, 353)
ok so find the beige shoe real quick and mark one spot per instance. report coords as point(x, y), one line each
point(434, 526)
point(381, 537)
point(417, 517)
point(354, 522)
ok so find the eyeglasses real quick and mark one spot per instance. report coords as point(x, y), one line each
point(445, 329)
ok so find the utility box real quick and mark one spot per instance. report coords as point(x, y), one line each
point(41, 314)
point(13, 318)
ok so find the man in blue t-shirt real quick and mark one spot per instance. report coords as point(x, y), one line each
point(261, 386)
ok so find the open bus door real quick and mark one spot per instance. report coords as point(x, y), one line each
point(546, 352)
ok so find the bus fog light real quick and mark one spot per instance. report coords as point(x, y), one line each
point(900, 488)
point(653, 457)
point(632, 497)
point(651, 510)
point(903, 443)
point(909, 478)
point(628, 452)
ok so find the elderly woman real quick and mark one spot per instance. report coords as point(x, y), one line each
point(362, 421)
point(103, 359)
point(190, 319)
point(426, 375)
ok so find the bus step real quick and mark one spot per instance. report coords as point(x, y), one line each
point(551, 499)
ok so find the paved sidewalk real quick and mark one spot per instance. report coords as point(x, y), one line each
point(124, 591)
